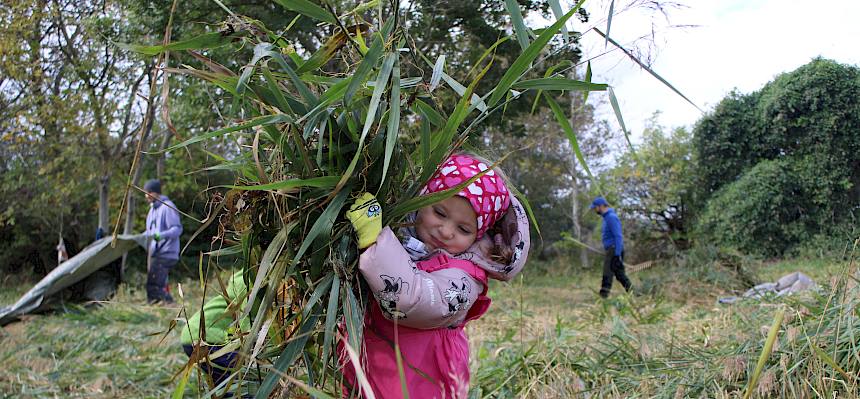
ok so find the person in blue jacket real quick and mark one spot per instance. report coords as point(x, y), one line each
point(163, 229)
point(613, 243)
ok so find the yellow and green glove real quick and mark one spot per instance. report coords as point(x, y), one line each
point(366, 217)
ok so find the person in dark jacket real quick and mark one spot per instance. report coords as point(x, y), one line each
point(613, 244)
point(163, 229)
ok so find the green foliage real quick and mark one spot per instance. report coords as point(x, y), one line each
point(463, 30)
point(761, 213)
point(806, 126)
point(727, 141)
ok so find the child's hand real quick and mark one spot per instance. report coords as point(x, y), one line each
point(366, 217)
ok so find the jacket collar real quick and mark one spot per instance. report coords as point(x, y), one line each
point(157, 203)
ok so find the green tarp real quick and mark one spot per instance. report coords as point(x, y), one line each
point(88, 261)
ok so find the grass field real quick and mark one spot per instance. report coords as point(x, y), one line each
point(115, 350)
point(546, 335)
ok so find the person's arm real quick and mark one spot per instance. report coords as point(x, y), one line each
point(615, 229)
point(218, 312)
point(174, 226)
point(413, 297)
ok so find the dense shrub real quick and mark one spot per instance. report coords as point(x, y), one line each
point(779, 166)
point(655, 188)
point(761, 213)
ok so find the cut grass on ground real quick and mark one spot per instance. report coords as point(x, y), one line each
point(119, 349)
point(546, 335)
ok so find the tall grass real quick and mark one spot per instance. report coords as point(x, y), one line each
point(546, 336)
point(674, 345)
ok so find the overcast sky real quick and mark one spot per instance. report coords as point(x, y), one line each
point(739, 44)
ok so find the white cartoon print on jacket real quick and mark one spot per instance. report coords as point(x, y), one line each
point(457, 295)
point(390, 294)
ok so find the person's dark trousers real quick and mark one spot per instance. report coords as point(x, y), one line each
point(613, 266)
point(156, 279)
point(219, 369)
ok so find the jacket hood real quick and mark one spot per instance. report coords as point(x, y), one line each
point(161, 200)
point(514, 226)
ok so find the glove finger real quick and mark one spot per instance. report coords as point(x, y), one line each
point(364, 198)
point(361, 201)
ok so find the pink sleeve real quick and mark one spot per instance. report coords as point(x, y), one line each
point(416, 298)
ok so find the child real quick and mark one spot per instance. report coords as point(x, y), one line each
point(435, 281)
point(219, 314)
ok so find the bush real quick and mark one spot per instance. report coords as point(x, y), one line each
point(779, 166)
point(760, 213)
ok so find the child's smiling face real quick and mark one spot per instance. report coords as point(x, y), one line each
point(451, 225)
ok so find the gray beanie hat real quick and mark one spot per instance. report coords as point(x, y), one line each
point(152, 186)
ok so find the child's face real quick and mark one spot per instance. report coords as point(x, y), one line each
point(451, 225)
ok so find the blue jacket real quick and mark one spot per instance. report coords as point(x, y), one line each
point(164, 219)
point(612, 232)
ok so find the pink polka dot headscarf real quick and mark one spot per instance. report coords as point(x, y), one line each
point(488, 195)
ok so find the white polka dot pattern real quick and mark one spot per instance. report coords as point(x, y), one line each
point(488, 195)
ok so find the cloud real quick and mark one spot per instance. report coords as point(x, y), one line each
point(738, 44)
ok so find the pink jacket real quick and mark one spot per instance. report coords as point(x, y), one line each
point(434, 293)
point(430, 300)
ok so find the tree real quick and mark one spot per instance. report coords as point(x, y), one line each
point(54, 117)
point(463, 30)
point(808, 123)
point(545, 169)
point(656, 184)
point(73, 105)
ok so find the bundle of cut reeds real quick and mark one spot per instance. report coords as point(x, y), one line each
point(322, 129)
